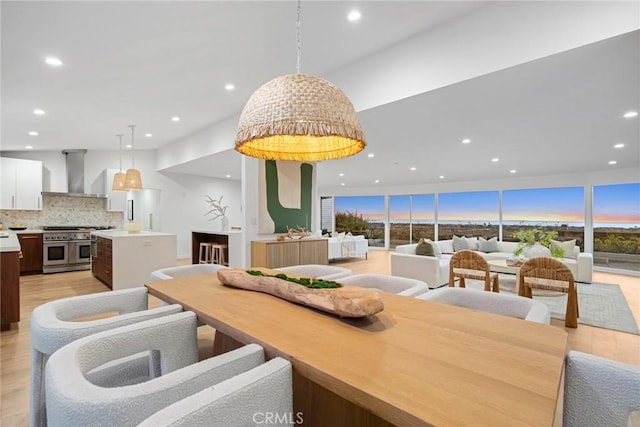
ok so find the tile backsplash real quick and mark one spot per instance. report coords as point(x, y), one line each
point(64, 210)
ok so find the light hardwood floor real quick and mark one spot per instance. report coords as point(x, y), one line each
point(38, 289)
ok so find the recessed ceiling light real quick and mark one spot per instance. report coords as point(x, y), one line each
point(29, 147)
point(52, 60)
point(412, 168)
point(38, 112)
point(495, 160)
point(466, 141)
point(370, 155)
point(33, 133)
point(342, 184)
point(630, 114)
point(175, 118)
point(148, 135)
point(340, 174)
point(612, 162)
point(513, 171)
point(227, 176)
point(376, 181)
point(354, 15)
point(441, 177)
point(618, 146)
point(229, 86)
point(128, 146)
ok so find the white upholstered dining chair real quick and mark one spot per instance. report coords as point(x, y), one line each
point(54, 325)
point(383, 282)
point(503, 304)
point(74, 400)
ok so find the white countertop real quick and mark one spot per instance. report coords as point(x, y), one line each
point(9, 243)
point(220, 232)
point(27, 231)
point(114, 234)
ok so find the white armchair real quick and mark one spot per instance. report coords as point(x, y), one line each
point(73, 400)
point(598, 391)
point(184, 270)
point(251, 398)
point(52, 327)
point(503, 304)
point(386, 283)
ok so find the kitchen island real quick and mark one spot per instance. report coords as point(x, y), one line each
point(123, 260)
point(9, 279)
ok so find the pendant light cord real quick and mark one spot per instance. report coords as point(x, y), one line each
point(133, 151)
point(120, 137)
point(298, 39)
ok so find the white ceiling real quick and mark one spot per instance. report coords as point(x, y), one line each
point(144, 62)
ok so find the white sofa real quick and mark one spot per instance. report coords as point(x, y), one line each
point(348, 247)
point(435, 271)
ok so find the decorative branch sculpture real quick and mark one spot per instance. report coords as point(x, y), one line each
point(218, 209)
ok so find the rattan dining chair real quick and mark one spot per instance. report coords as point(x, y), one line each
point(467, 264)
point(549, 274)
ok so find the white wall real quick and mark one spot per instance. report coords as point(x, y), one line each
point(182, 201)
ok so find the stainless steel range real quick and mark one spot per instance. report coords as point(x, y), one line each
point(67, 248)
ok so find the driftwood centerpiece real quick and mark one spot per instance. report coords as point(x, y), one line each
point(345, 301)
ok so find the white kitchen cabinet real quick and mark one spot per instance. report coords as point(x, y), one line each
point(116, 200)
point(21, 184)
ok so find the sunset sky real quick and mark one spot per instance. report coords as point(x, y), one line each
point(613, 204)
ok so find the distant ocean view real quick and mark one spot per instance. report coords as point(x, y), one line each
point(509, 223)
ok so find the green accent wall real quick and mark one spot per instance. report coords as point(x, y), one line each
point(281, 216)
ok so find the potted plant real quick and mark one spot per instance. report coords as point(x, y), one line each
point(531, 241)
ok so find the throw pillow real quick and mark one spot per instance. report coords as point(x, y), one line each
point(436, 248)
point(488, 246)
point(568, 247)
point(446, 246)
point(424, 248)
point(472, 243)
point(459, 243)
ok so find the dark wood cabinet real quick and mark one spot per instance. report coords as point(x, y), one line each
point(102, 262)
point(9, 289)
point(31, 248)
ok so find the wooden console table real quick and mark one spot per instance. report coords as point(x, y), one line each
point(283, 253)
point(416, 363)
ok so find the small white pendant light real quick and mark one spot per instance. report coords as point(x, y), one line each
point(119, 177)
point(133, 180)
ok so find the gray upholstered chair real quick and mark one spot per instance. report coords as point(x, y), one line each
point(503, 304)
point(184, 270)
point(73, 400)
point(319, 271)
point(386, 283)
point(598, 391)
point(53, 326)
point(251, 398)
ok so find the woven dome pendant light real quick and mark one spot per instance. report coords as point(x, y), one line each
point(133, 180)
point(299, 117)
point(119, 178)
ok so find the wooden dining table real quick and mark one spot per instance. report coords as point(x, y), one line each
point(416, 363)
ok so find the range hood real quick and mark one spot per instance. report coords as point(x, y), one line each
point(75, 176)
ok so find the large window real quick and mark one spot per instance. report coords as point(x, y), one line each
point(616, 226)
point(468, 214)
point(361, 215)
point(549, 209)
point(410, 218)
